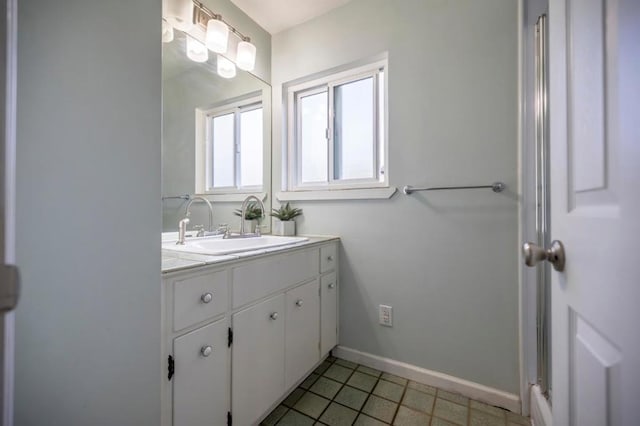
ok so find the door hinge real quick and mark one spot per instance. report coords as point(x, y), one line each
point(229, 337)
point(229, 418)
point(170, 368)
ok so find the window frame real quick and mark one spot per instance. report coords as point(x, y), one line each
point(328, 84)
point(204, 149)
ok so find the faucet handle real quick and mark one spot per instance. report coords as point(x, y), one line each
point(200, 229)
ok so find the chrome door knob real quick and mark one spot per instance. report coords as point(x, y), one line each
point(206, 298)
point(332, 286)
point(274, 316)
point(205, 351)
point(330, 258)
point(299, 303)
point(533, 254)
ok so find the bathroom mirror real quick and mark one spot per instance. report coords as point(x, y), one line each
point(198, 106)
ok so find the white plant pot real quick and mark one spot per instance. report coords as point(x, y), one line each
point(250, 226)
point(286, 228)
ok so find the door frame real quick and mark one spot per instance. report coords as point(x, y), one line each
point(8, 69)
point(529, 12)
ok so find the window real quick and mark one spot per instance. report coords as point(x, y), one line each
point(336, 131)
point(232, 154)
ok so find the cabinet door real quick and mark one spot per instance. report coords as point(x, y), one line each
point(302, 331)
point(257, 359)
point(201, 380)
point(329, 314)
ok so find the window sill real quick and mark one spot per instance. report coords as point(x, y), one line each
point(233, 197)
point(341, 194)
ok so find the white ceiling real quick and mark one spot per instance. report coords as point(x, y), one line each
point(278, 15)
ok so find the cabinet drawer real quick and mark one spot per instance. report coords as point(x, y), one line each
point(256, 280)
point(198, 298)
point(328, 257)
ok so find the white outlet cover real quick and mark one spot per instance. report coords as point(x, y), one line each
point(385, 315)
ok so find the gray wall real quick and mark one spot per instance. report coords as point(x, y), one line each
point(88, 213)
point(447, 261)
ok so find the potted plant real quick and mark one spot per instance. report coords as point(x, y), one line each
point(284, 224)
point(251, 216)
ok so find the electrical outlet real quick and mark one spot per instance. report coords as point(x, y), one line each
point(385, 315)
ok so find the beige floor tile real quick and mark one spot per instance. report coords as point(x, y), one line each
point(389, 390)
point(380, 409)
point(418, 400)
point(490, 409)
point(311, 404)
point(422, 387)
point(338, 415)
point(453, 397)
point(451, 411)
point(409, 417)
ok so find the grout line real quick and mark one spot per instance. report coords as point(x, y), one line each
point(404, 391)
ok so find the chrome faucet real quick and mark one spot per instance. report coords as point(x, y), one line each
point(243, 211)
point(182, 230)
point(188, 212)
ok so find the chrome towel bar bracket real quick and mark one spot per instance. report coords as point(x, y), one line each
point(495, 187)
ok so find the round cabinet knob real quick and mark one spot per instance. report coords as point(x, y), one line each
point(332, 286)
point(206, 298)
point(274, 316)
point(330, 258)
point(299, 303)
point(206, 351)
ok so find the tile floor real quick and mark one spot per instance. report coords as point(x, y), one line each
point(341, 393)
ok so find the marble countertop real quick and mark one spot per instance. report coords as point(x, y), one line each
point(173, 261)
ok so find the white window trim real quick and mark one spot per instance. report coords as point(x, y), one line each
point(203, 173)
point(292, 173)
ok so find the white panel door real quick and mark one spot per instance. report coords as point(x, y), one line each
point(302, 331)
point(329, 313)
point(595, 210)
point(257, 359)
point(201, 380)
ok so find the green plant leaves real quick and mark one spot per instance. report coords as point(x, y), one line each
point(286, 213)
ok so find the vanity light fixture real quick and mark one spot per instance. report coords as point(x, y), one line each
point(225, 67)
point(167, 32)
point(246, 55)
point(184, 14)
point(179, 13)
point(196, 50)
point(217, 35)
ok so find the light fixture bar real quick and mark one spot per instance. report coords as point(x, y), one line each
point(202, 14)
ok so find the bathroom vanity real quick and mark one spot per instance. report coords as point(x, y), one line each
point(241, 331)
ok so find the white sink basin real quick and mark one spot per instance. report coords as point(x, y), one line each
point(218, 246)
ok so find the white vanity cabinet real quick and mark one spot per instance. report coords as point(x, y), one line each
point(200, 394)
point(258, 359)
point(240, 335)
point(302, 341)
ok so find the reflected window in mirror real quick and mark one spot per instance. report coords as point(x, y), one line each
point(233, 140)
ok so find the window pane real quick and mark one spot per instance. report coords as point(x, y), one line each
point(354, 130)
point(251, 148)
point(223, 151)
point(313, 138)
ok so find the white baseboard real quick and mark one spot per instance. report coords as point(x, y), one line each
point(540, 408)
point(467, 388)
